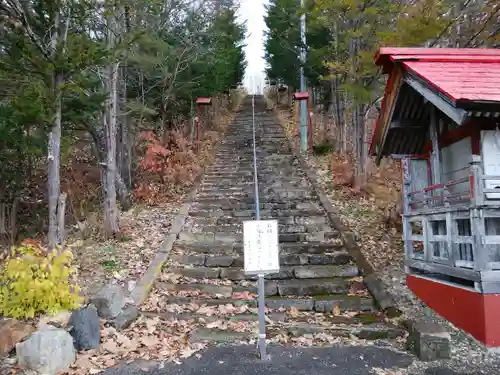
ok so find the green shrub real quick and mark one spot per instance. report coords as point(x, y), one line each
point(323, 148)
point(33, 282)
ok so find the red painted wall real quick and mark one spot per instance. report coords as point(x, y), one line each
point(473, 312)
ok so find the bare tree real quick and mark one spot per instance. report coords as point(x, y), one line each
point(109, 119)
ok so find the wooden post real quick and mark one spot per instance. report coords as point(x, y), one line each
point(310, 132)
point(476, 181)
point(435, 155)
point(476, 219)
point(198, 130)
point(200, 102)
point(408, 242)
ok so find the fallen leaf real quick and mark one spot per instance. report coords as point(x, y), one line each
point(294, 312)
point(243, 295)
point(110, 346)
point(215, 324)
point(336, 310)
point(186, 353)
point(148, 341)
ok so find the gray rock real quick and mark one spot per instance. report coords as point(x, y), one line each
point(219, 261)
point(85, 330)
point(109, 301)
point(198, 272)
point(291, 259)
point(430, 341)
point(344, 303)
point(339, 258)
point(304, 287)
point(311, 272)
point(126, 317)
point(47, 352)
point(299, 304)
point(234, 274)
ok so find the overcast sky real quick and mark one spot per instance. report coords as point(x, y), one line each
point(252, 11)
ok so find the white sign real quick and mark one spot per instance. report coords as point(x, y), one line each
point(261, 251)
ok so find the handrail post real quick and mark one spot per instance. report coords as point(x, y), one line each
point(476, 181)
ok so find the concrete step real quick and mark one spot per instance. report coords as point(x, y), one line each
point(287, 287)
point(209, 220)
point(216, 238)
point(320, 304)
point(285, 249)
point(275, 196)
point(366, 332)
point(232, 206)
point(338, 258)
point(286, 272)
point(238, 228)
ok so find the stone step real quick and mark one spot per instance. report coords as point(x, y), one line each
point(282, 228)
point(227, 188)
point(245, 162)
point(320, 304)
point(283, 288)
point(218, 200)
point(312, 248)
point(209, 220)
point(232, 313)
point(263, 196)
point(286, 272)
point(229, 157)
point(244, 209)
point(214, 238)
point(376, 331)
point(242, 317)
point(270, 178)
point(289, 175)
point(236, 260)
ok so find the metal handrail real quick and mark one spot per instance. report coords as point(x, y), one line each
point(261, 286)
point(255, 178)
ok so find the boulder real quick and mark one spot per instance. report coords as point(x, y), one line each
point(109, 301)
point(126, 317)
point(12, 331)
point(59, 320)
point(85, 328)
point(48, 352)
point(430, 341)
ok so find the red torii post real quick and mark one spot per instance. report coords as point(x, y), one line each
point(200, 102)
point(305, 96)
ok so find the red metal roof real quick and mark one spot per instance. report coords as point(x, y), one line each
point(462, 74)
point(464, 81)
point(204, 101)
point(465, 76)
point(301, 95)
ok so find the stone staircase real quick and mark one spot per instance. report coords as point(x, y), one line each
point(318, 288)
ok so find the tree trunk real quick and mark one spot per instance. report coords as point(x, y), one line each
point(61, 213)
point(3, 219)
point(123, 145)
point(13, 220)
point(54, 143)
point(110, 206)
point(122, 190)
point(361, 149)
point(54, 160)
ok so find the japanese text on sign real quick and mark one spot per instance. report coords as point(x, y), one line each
point(261, 251)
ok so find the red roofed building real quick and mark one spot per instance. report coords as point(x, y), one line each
point(441, 114)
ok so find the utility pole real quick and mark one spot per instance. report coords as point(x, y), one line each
point(303, 88)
